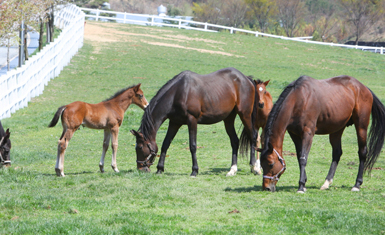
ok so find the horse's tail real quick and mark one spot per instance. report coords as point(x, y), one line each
point(55, 118)
point(245, 140)
point(376, 133)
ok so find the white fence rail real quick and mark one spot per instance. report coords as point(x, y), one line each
point(20, 85)
point(153, 20)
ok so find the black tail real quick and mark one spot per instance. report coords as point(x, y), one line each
point(245, 140)
point(376, 133)
point(55, 118)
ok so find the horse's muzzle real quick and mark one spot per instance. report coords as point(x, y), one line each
point(270, 188)
point(261, 105)
point(144, 169)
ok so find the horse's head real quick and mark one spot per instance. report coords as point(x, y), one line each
point(261, 91)
point(273, 166)
point(145, 151)
point(5, 147)
point(139, 98)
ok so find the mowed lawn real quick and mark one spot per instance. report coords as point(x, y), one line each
point(114, 56)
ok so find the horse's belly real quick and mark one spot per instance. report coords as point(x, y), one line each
point(331, 126)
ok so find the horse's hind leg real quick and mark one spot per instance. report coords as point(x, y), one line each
point(230, 130)
point(114, 145)
point(106, 144)
point(335, 141)
point(62, 146)
point(192, 128)
point(362, 152)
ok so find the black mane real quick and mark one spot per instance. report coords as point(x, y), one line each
point(147, 125)
point(278, 106)
point(118, 93)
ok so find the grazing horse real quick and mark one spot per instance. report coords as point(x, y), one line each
point(307, 107)
point(107, 115)
point(265, 105)
point(190, 99)
point(5, 147)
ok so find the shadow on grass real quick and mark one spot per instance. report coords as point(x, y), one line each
point(259, 188)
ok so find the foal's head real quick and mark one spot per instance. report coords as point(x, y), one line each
point(145, 151)
point(5, 147)
point(273, 166)
point(139, 98)
point(261, 91)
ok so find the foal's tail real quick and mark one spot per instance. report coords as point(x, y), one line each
point(376, 133)
point(245, 140)
point(55, 118)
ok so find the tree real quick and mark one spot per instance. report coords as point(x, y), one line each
point(362, 14)
point(262, 11)
point(290, 14)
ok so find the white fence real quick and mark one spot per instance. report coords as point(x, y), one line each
point(153, 20)
point(20, 85)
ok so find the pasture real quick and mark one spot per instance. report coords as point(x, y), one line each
point(34, 201)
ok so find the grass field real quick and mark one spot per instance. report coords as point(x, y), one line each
point(34, 201)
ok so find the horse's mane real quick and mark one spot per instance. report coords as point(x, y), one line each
point(2, 132)
point(147, 125)
point(118, 93)
point(258, 81)
point(278, 106)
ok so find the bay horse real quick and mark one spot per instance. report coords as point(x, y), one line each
point(107, 115)
point(5, 147)
point(265, 105)
point(190, 99)
point(307, 107)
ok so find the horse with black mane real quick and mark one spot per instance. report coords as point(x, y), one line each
point(191, 99)
point(107, 115)
point(307, 107)
point(5, 147)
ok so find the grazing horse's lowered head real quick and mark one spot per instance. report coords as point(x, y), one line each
point(5, 147)
point(146, 151)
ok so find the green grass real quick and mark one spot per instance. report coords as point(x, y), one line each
point(34, 201)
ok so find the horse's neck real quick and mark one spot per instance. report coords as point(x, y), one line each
point(158, 115)
point(123, 101)
point(279, 128)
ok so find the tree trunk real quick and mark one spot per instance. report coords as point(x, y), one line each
point(25, 43)
point(8, 45)
point(51, 24)
point(41, 35)
point(48, 32)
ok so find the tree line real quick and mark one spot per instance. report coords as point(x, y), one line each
point(325, 20)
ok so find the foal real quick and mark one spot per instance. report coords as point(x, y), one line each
point(5, 147)
point(107, 115)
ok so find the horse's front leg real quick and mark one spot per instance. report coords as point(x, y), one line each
point(114, 145)
point(62, 146)
point(106, 144)
point(171, 132)
point(192, 128)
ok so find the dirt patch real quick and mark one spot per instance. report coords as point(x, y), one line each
point(110, 33)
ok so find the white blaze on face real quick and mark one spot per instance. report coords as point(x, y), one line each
point(260, 89)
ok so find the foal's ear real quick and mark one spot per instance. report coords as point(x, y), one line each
point(258, 149)
point(267, 82)
point(136, 88)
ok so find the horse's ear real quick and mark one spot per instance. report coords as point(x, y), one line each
point(267, 82)
point(136, 88)
point(137, 134)
point(7, 133)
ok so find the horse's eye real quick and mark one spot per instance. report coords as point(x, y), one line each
point(140, 96)
point(272, 164)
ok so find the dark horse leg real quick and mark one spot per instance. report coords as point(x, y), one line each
point(230, 130)
point(302, 146)
point(362, 152)
point(251, 134)
point(192, 129)
point(171, 132)
point(335, 141)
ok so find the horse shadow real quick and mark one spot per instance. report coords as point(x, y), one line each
point(259, 188)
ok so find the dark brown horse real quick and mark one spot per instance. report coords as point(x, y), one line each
point(107, 115)
point(5, 147)
point(265, 105)
point(191, 99)
point(307, 107)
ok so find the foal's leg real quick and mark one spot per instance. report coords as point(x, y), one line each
point(192, 129)
point(335, 141)
point(106, 143)
point(114, 145)
point(61, 148)
point(230, 130)
point(171, 132)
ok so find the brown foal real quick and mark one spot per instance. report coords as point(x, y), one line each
point(107, 115)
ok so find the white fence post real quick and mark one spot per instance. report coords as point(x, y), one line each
point(231, 30)
point(205, 25)
point(97, 14)
point(124, 21)
point(256, 33)
point(382, 50)
point(152, 21)
point(180, 23)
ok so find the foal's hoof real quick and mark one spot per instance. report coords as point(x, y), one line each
point(59, 172)
point(355, 189)
point(302, 191)
point(115, 169)
point(101, 167)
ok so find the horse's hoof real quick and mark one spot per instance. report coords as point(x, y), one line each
point(300, 191)
point(324, 187)
point(115, 169)
point(355, 189)
point(159, 172)
point(231, 174)
point(101, 168)
point(59, 172)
